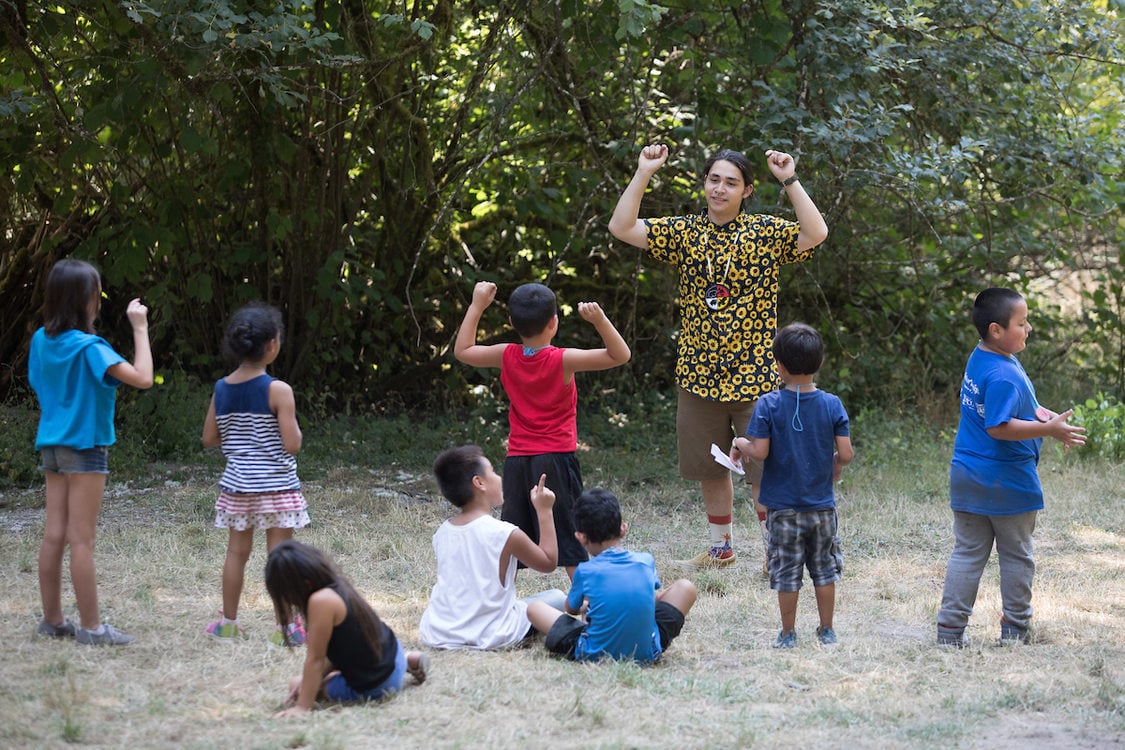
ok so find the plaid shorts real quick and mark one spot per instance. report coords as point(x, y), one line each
point(800, 539)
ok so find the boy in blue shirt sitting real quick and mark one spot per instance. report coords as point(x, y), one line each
point(801, 434)
point(627, 617)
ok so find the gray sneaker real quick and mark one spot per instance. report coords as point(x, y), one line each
point(111, 636)
point(1011, 634)
point(66, 630)
point(954, 637)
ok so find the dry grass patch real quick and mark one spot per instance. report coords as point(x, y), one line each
point(885, 686)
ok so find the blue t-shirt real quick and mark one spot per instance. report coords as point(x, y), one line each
point(797, 473)
point(76, 396)
point(621, 621)
point(987, 476)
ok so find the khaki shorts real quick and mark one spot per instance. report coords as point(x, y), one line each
point(699, 423)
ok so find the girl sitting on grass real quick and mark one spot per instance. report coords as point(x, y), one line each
point(351, 655)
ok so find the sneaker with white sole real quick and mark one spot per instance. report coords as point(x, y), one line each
point(786, 639)
point(296, 635)
point(225, 631)
point(716, 557)
point(65, 630)
point(109, 636)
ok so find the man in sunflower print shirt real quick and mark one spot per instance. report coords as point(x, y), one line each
point(728, 263)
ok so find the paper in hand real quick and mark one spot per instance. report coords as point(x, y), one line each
point(723, 459)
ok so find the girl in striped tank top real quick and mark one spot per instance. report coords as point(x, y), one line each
point(253, 418)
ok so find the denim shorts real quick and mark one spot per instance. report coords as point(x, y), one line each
point(59, 459)
point(799, 540)
point(337, 688)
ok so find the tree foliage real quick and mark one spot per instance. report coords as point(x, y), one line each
point(360, 164)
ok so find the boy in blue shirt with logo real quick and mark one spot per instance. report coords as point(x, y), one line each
point(993, 478)
point(802, 436)
point(627, 615)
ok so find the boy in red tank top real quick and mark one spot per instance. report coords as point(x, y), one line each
point(543, 401)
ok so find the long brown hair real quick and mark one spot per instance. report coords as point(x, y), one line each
point(295, 570)
point(71, 286)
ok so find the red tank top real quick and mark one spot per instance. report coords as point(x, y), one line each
point(542, 409)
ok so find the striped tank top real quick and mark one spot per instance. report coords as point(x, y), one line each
point(251, 439)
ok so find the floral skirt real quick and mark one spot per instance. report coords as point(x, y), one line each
point(264, 510)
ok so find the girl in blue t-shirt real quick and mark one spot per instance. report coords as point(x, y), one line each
point(75, 375)
point(253, 418)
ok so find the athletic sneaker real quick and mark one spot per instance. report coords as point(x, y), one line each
point(110, 636)
point(786, 639)
point(826, 636)
point(419, 671)
point(231, 630)
point(1011, 634)
point(716, 557)
point(954, 637)
point(296, 631)
point(66, 630)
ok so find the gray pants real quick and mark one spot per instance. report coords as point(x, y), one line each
point(973, 537)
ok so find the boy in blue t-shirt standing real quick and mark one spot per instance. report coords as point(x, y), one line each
point(993, 478)
point(801, 434)
point(626, 616)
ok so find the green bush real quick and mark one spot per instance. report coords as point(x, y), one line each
point(19, 464)
point(1104, 420)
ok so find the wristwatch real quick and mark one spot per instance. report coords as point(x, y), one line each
point(789, 181)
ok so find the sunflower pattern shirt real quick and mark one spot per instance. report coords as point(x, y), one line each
point(728, 298)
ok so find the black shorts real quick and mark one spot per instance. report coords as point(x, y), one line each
point(521, 473)
point(564, 634)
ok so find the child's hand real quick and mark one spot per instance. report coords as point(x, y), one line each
point(291, 711)
point(137, 314)
point(483, 294)
point(736, 452)
point(1065, 433)
point(542, 498)
point(591, 312)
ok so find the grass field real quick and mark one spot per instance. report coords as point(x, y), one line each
point(721, 685)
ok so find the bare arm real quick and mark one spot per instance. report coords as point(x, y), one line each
point(326, 610)
point(843, 457)
point(543, 557)
point(1057, 427)
point(625, 224)
point(466, 349)
point(615, 352)
point(284, 406)
point(211, 436)
point(755, 448)
point(139, 373)
point(814, 230)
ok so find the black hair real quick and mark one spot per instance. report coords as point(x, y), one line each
point(799, 348)
point(294, 571)
point(71, 287)
point(994, 305)
point(250, 329)
point(737, 158)
point(531, 308)
point(455, 469)
point(597, 514)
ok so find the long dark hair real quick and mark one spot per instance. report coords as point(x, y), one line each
point(295, 570)
point(71, 286)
